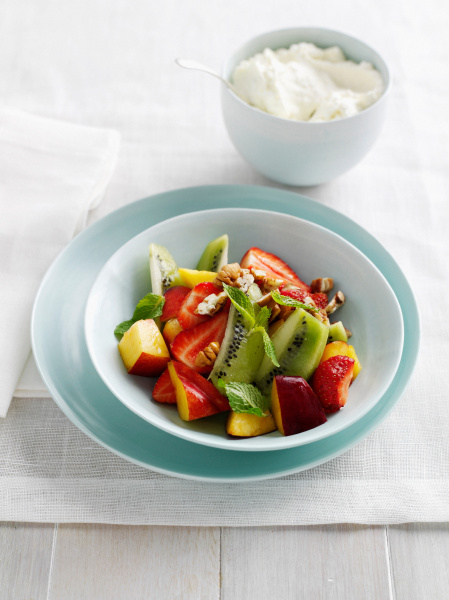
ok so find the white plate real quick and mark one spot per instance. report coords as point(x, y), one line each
point(371, 312)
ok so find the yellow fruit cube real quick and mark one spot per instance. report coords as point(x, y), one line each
point(191, 277)
point(248, 425)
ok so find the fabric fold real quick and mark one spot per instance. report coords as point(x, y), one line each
point(53, 173)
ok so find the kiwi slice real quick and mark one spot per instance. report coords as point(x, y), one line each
point(163, 269)
point(299, 345)
point(215, 255)
point(337, 333)
point(240, 356)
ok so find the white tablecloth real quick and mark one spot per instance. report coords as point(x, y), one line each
point(111, 64)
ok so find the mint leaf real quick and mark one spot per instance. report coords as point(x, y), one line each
point(263, 317)
point(149, 307)
point(268, 345)
point(246, 398)
point(287, 301)
point(241, 302)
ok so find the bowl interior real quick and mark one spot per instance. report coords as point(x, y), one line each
point(371, 312)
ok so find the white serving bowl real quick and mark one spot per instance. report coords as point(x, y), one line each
point(296, 152)
point(371, 312)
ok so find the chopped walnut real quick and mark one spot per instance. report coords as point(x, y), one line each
point(211, 304)
point(266, 283)
point(207, 356)
point(337, 301)
point(245, 280)
point(322, 285)
point(228, 274)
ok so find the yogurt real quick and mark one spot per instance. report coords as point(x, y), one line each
point(307, 83)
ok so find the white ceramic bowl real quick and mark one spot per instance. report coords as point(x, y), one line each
point(294, 152)
point(371, 312)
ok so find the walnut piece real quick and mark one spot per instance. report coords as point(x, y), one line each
point(322, 285)
point(264, 281)
point(211, 304)
point(228, 274)
point(337, 301)
point(207, 356)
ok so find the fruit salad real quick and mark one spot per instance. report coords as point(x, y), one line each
point(249, 338)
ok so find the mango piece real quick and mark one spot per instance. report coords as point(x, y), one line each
point(191, 277)
point(248, 425)
point(342, 349)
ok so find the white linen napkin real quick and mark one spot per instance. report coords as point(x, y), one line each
point(52, 174)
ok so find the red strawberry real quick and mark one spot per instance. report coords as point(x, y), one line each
point(299, 294)
point(186, 314)
point(174, 297)
point(190, 342)
point(164, 390)
point(320, 299)
point(331, 381)
point(272, 265)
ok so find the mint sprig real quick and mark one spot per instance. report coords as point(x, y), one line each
point(242, 303)
point(255, 322)
point(149, 307)
point(287, 301)
point(245, 398)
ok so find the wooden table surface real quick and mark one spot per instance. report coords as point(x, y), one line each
point(350, 562)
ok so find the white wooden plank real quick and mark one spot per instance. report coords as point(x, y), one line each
point(340, 562)
point(419, 555)
point(25, 559)
point(109, 562)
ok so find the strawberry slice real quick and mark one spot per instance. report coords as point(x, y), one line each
point(190, 342)
point(164, 390)
point(186, 315)
point(299, 294)
point(320, 299)
point(331, 381)
point(174, 297)
point(272, 265)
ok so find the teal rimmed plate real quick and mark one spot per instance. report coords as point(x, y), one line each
point(61, 354)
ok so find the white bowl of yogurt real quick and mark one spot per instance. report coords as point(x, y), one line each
point(310, 103)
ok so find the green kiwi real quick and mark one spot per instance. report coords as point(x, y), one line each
point(337, 333)
point(240, 356)
point(163, 269)
point(299, 345)
point(215, 255)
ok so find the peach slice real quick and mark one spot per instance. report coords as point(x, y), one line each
point(143, 349)
point(171, 329)
point(248, 425)
point(195, 396)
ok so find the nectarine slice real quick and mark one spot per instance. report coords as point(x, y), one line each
point(143, 349)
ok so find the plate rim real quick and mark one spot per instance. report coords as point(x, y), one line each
point(288, 202)
point(171, 428)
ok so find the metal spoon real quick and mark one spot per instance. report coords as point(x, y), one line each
point(192, 64)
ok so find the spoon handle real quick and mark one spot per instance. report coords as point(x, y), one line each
point(187, 63)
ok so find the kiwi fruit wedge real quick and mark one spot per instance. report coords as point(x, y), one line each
point(240, 355)
point(337, 333)
point(299, 345)
point(215, 255)
point(163, 270)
